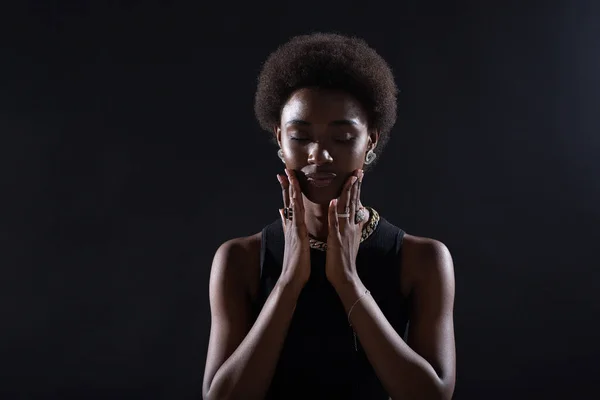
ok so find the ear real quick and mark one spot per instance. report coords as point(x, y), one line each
point(373, 138)
point(277, 132)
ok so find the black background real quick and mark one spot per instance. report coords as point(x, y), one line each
point(129, 152)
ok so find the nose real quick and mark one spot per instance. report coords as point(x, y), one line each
point(319, 155)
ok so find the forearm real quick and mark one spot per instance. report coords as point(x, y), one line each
point(248, 372)
point(403, 372)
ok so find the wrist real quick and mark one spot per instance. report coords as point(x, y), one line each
point(289, 287)
point(345, 282)
point(349, 291)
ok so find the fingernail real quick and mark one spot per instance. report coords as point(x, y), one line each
point(278, 178)
point(354, 179)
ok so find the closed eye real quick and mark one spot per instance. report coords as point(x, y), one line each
point(345, 139)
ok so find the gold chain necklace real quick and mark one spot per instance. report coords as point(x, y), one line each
point(367, 230)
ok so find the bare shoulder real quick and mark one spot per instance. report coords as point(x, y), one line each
point(235, 265)
point(240, 248)
point(425, 259)
point(238, 260)
point(430, 274)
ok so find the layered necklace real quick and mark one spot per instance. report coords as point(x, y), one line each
point(368, 229)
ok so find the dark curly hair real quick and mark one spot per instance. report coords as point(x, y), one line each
point(332, 61)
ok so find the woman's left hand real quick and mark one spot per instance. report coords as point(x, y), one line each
point(344, 235)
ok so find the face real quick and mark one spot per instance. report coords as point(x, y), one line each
point(324, 137)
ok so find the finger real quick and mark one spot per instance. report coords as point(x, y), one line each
point(334, 224)
point(333, 234)
point(344, 199)
point(285, 184)
point(343, 203)
point(296, 198)
point(354, 196)
point(359, 188)
point(349, 199)
point(283, 221)
point(290, 187)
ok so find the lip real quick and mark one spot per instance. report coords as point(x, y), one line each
point(321, 175)
point(320, 179)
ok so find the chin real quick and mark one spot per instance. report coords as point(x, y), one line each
point(319, 199)
point(322, 195)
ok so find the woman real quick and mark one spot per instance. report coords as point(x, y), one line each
point(317, 304)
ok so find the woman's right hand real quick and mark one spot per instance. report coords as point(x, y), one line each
point(296, 255)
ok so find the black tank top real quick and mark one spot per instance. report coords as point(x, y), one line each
point(318, 359)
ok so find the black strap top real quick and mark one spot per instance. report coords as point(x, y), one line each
point(318, 359)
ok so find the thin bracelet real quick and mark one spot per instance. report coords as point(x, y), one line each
point(355, 303)
point(350, 312)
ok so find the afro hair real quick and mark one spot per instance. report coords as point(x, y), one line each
point(329, 61)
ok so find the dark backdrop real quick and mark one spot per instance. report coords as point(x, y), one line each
point(129, 152)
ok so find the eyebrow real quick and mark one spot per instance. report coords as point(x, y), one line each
point(337, 122)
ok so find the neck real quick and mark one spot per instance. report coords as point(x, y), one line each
point(316, 217)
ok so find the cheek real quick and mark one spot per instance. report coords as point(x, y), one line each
point(294, 153)
point(357, 153)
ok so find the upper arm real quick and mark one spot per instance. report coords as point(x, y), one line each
point(229, 305)
point(431, 329)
